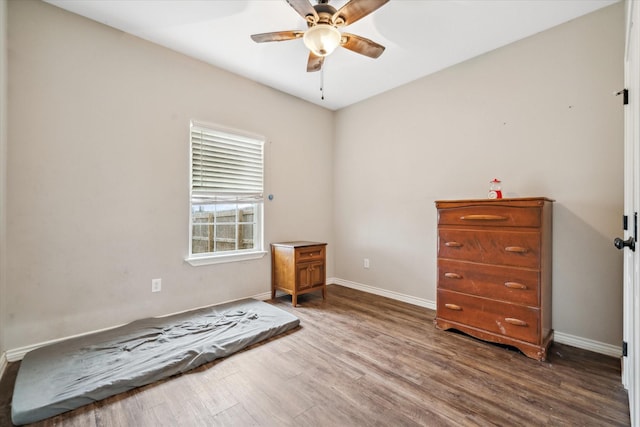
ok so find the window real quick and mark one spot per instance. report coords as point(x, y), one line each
point(226, 195)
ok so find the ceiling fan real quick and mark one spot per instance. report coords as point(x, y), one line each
point(322, 36)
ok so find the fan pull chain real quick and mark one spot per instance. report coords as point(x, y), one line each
point(322, 83)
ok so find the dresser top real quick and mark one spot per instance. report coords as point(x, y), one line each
point(298, 244)
point(521, 201)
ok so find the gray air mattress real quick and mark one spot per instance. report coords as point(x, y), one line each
point(69, 374)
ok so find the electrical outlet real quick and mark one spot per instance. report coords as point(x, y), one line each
point(366, 263)
point(156, 285)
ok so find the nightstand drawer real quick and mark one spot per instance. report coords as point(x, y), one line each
point(498, 317)
point(509, 284)
point(512, 248)
point(310, 253)
point(496, 215)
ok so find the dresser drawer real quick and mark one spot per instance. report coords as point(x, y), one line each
point(509, 284)
point(512, 248)
point(501, 318)
point(496, 215)
point(310, 253)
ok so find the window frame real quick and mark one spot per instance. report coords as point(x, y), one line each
point(258, 251)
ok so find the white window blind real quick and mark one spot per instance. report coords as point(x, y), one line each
point(227, 185)
point(225, 167)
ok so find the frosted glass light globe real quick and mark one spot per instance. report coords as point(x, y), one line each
point(322, 39)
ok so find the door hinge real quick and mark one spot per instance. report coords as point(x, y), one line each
point(625, 96)
point(625, 224)
point(624, 349)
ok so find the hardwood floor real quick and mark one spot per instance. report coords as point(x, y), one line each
point(359, 359)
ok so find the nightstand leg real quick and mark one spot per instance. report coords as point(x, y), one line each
point(324, 292)
point(294, 300)
point(273, 293)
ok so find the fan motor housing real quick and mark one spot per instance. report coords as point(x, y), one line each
point(325, 14)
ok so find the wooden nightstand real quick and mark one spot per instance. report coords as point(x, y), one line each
point(298, 268)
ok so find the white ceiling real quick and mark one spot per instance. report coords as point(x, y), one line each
point(421, 37)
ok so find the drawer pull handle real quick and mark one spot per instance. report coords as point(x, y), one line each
point(452, 276)
point(453, 307)
point(483, 218)
point(516, 322)
point(516, 249)
point(453, 244)
point(515, 285)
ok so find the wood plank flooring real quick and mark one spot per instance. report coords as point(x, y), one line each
point(364, 360)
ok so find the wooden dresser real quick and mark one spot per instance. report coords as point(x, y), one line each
point(298, 268)
point(494, 271)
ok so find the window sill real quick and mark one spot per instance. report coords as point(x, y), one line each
point(221, 259)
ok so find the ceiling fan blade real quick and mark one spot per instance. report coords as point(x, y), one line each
point(304, 9)
point(361, 45)
point(315, 62)
point(355, 10)
point(277, 36)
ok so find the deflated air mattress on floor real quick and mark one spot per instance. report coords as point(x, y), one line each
point(66, 375)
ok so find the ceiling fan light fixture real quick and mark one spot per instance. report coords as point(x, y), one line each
point(322, 39)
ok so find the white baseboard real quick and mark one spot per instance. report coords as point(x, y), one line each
point(263, 296)
point(18, 353)
point(384, 293)
point(587, 344)
point(559, 337)
point(3, 364)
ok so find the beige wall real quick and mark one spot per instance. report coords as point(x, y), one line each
point(540, 115)
point(98, 175)
point(3, 170)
